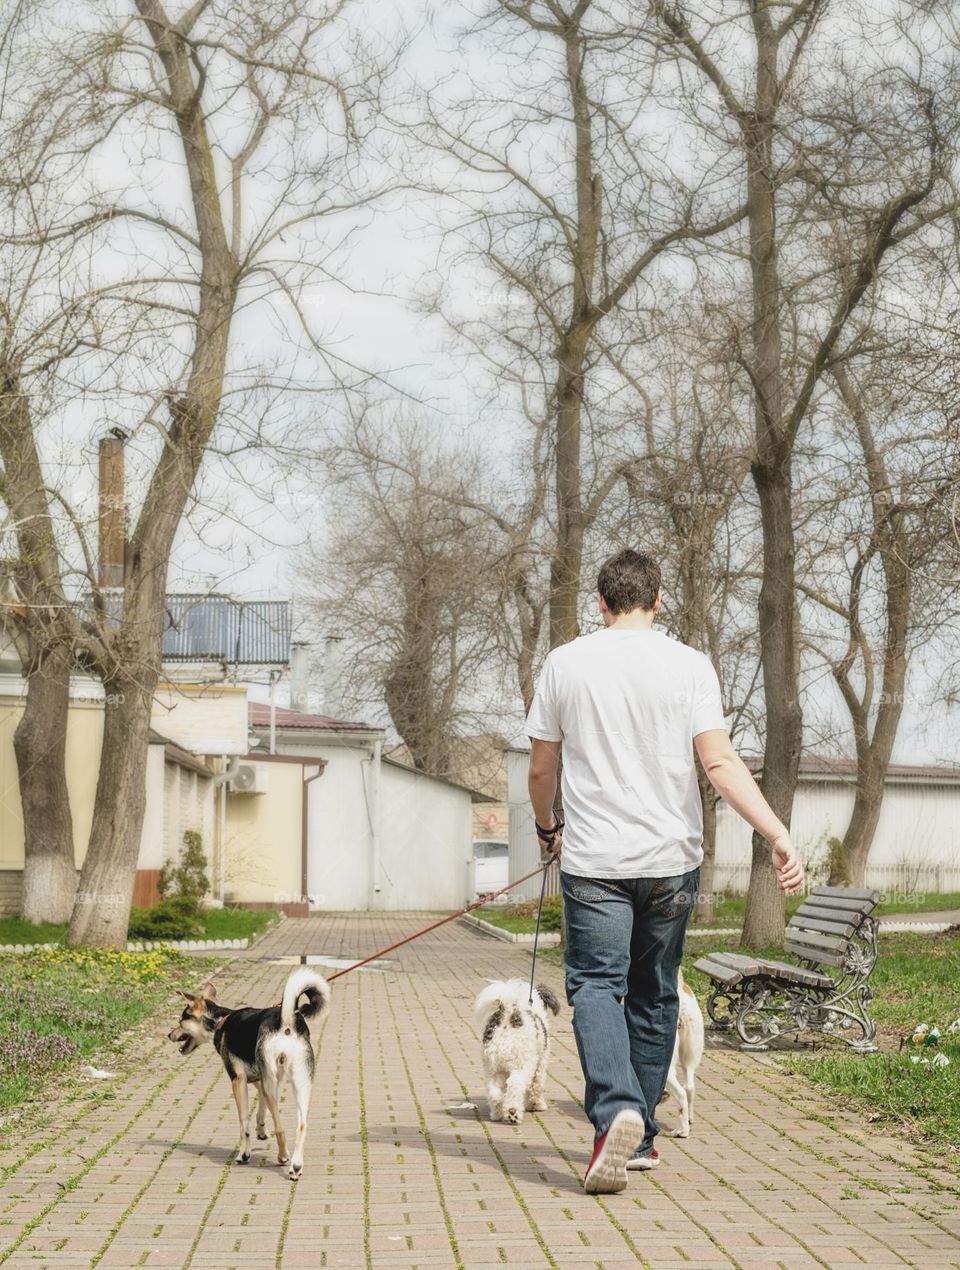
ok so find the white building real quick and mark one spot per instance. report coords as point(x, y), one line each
point(337, 826)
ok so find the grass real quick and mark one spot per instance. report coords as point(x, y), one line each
point(730, 908)
point(916, 980)
point(236, 923)
point(65, 1006)
point(218, 923)
point(15, 930)
point(521, 919)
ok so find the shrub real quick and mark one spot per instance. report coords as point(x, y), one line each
point(174, 918)
point(187, 880)
point(552, 909)
point(837, 872)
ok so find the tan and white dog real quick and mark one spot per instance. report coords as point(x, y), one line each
point(687, 1053)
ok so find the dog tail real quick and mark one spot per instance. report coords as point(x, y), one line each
point(304, 982)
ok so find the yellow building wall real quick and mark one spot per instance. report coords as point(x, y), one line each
point(84, 738)
point(262, 840)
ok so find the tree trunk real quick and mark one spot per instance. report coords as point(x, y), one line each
point(566, 564)
point(40, 619)
point(858, 838)
point(49, 869)
point(706, 910)
point(567, 561)
point(102, 910)
point(895, 551)
point(780, 659)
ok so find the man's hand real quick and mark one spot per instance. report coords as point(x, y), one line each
point(554, 847)
point(787, 864)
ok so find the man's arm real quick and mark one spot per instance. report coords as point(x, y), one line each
point(733, 781)
point(542, 782)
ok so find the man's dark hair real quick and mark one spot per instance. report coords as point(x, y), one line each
point(629, 580)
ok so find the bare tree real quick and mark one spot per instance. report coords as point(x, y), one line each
point(239, 91)
point(889, 577)
point(841, 166)
point(50, 316)
point(411, 575)
point(573, 211)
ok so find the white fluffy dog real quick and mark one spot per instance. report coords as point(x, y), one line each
point(687, 1053)
point(516, 1046)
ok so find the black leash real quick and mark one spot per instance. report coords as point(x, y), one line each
point(536, 934)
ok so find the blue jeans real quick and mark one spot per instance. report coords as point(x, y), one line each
point(624, 941)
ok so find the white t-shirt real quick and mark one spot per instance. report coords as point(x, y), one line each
point(627, 705)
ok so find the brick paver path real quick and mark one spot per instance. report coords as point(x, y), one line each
point(399, 1174)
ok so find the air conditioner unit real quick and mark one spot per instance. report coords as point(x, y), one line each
point(250, 778)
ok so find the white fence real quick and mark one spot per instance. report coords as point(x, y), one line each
point(894, 880)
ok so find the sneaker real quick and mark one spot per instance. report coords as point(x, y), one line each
point(607, 1171)
point(641, 1163)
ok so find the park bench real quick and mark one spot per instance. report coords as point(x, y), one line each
point(833, 935)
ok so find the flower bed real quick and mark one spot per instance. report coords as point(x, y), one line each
point(59, 1006)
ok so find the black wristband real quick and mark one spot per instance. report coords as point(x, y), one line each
point(547, 836)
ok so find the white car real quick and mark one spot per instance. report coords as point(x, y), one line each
point(491, 866)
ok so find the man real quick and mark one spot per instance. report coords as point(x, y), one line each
point(626, 706)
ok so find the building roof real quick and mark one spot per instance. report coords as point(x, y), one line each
point(841, 768)
point(259, 716)
point(295, 720)
point(174, 753)
point(476, 796)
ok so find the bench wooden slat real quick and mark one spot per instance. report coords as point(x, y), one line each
point(847, 892)
point(796, 974)
point(738, 961)
point(840, 916)
point(816, 939)
point(750, 967)
point(801, 921)
point(809, 953)
point(723, 974)
point(863, 907)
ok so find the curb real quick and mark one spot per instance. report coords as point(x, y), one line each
point(548, 939)
point(146, 945)
point(927, 928)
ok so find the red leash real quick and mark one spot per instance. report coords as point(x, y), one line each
point(542, 868)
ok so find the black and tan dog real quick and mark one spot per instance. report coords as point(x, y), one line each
point(262, 1047)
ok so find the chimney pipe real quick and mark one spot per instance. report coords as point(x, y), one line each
point(332, 676)
point(112, 518)
point(300, 678)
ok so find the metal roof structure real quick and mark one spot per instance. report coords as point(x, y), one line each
point(213, 627)
point(219, 628)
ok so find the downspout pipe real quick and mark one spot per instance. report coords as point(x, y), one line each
point(231, 767)
point(373, 812)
